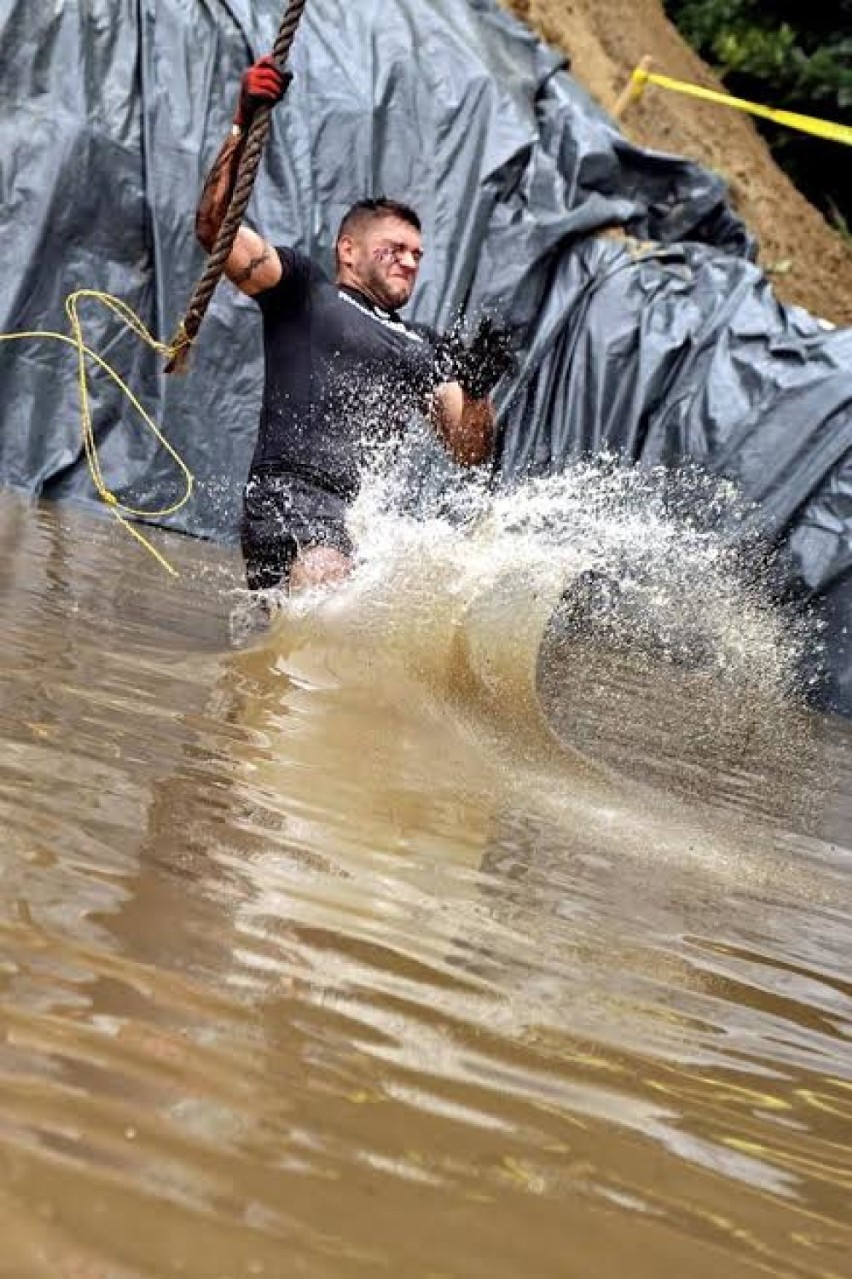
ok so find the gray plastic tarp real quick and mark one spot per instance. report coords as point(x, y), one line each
point(110, 113)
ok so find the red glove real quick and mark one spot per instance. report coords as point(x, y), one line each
point(264, 82)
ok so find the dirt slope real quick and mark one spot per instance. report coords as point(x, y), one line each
point(809, 263)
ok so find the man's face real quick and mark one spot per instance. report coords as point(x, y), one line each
point(382, 258)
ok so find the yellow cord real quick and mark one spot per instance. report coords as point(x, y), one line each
point(792, 119)
point(130, 320)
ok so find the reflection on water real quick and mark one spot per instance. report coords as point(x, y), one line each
point(366, 950)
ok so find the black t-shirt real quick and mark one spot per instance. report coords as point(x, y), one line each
point(343, 377)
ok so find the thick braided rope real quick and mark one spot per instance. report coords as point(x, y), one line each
point(258, 132)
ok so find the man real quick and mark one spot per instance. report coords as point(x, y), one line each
point(343, 372)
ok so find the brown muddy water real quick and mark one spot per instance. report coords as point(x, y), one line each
point(350, 954)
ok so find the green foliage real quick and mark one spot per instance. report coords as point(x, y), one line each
point(789, 55)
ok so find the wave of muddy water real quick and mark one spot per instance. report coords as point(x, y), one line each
point(427, 934)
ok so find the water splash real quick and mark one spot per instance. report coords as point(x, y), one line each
point(608, 609)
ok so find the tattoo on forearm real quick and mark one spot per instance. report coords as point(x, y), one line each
point(225, 164)
point(216, 193)
point(240, 277)
point(222, 162)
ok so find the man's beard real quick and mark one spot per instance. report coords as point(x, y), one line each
point(388, 293)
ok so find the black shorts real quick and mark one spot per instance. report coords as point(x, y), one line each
point(283, 515)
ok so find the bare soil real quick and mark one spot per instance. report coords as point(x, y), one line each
point(807, 260)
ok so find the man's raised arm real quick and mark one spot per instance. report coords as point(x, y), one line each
point(253, 264)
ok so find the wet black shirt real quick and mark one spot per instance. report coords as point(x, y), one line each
point(343, 378)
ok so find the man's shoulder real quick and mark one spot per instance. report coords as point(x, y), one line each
point(299, 275)
point(424, 331)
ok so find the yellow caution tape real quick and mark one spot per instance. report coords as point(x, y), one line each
point(131, 321)
point(792, 119)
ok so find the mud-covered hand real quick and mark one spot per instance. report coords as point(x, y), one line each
point(264, 82)
point(490, 354)
point(478, 365)
point(449, 356)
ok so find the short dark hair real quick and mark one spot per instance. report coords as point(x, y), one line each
point(380, 207)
